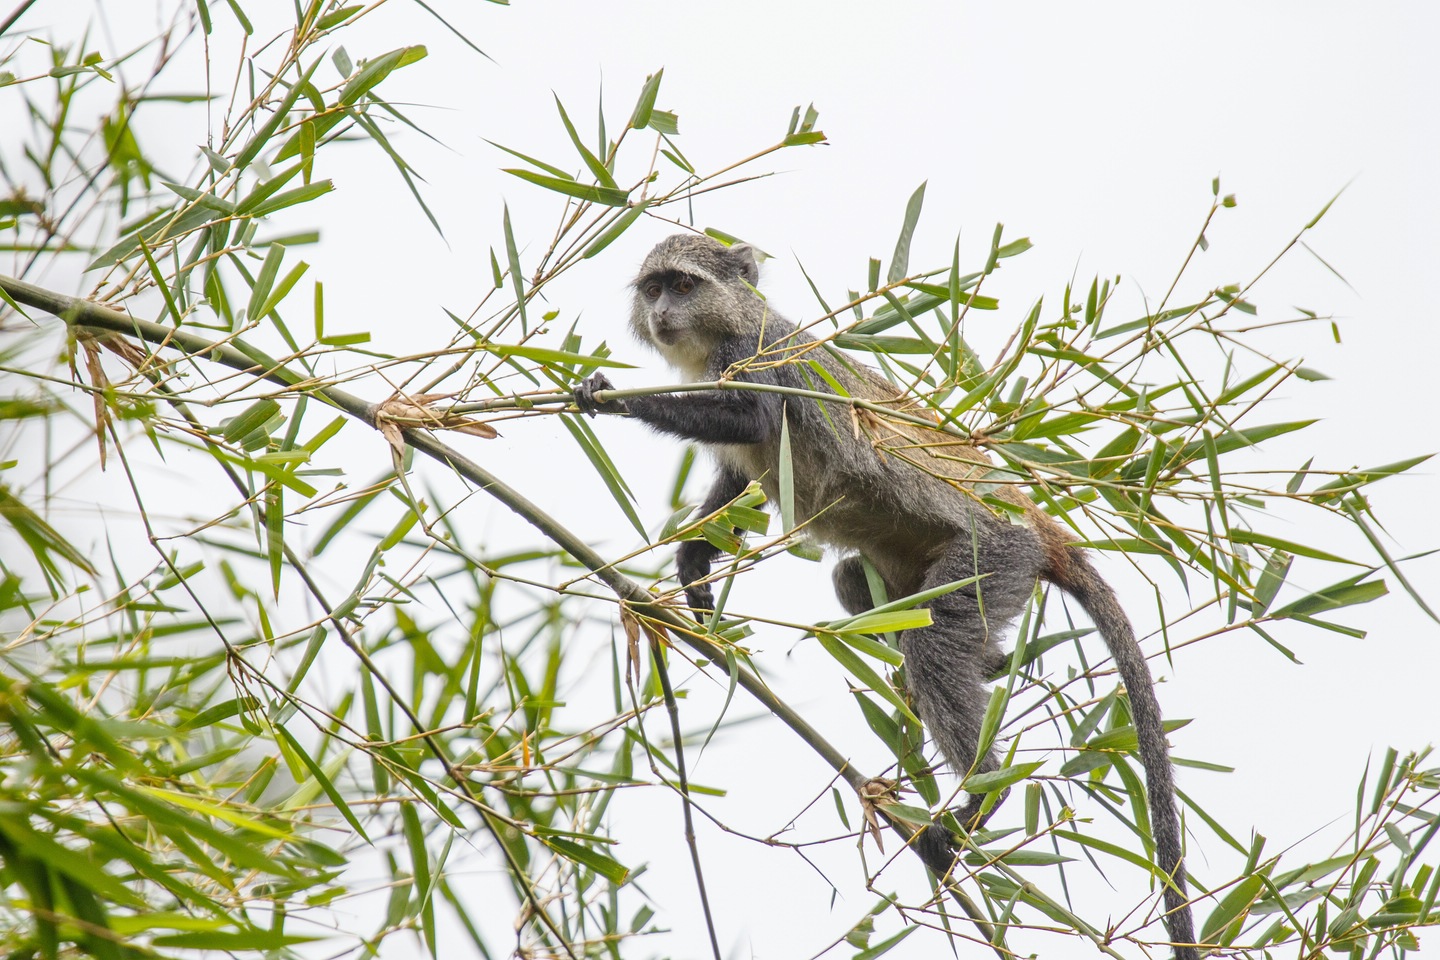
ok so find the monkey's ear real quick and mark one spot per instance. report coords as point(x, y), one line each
point(744, 256)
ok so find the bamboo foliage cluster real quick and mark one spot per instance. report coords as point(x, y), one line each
point(235, 722)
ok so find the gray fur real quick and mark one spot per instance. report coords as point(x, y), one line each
point(899, 495)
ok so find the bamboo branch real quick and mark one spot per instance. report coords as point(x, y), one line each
point(243, 358)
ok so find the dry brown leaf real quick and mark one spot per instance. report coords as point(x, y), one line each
point(99, 382)
point(394, 415)
point(875, 793)
point(631, 625)
point(91, 343)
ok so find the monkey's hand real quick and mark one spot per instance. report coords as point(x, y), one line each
point(692, 565)
point(585, 400)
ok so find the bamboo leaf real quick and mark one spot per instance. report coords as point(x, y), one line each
point(608, 867)
point(376, 70)
point(645, 106)
point(787, 475)
point(997, 780)
point(613, 232)
point(600, 460)
point(884, 622)
point(900, 262)
point(1231, 911)
point(862, 672)
point(290, 198)
point(874, 648)
point(1271, 579)
point(324, 782)
point(549, 356)
point(608, 196)
point(1346, 593)
point(597, 169)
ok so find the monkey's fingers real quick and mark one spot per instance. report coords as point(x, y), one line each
point(585, 393)
point(586, 402)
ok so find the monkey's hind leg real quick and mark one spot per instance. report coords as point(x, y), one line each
point(947, 662)
point(852, 587)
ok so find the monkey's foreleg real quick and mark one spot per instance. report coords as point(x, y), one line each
point(709, 416)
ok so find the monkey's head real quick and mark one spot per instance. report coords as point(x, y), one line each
point(691, 293)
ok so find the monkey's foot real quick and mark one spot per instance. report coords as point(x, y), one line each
point(937, 849)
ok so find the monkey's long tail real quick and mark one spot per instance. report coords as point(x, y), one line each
point(1081, 581)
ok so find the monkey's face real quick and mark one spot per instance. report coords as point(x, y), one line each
point(670, 313)
point(692, 294)
point(668, 302)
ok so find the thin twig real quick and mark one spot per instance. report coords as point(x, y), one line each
point(657, 656)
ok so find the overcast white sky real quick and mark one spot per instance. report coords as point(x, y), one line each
point(1094, 130)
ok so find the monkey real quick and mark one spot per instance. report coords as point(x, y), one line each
point(886, 492)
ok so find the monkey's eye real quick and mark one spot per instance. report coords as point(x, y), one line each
point(652, 290)
point(683, 285)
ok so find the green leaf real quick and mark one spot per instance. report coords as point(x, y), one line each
point(233, 940)
point(1104, 846)
point(1232, 910)
point(663, 121)
point(1346, 593)
point(874, 648)
point(1323, 210)
point(218, 811)
point(517, 280)
point(283, 288)
point(548, 168)
point(1271, 579)
point(877, 621)
point(1014, 248)
point(640, 119)
point(61, 859)
point(319, 775)
point(290, 198)
point(1299, 549)
point(885, 946)
point(548, 356)
point(607, 470)
point(1016, 858)
point(862, 671)
point(900, 262)
point(997, 780)
point(266, 188)
point(42, 539)
point(609, 868)
point(609, 196)
point(1350, 482)
point(1239, 439)
point(880, 722)
point(202, 197)
point(597, 168)
point(994, 713)
point(376, 70)
point(613, 232)
point(803, 139)
point(787, 474)
point(252, 418)
point(1125, 738)
point(261, 139)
